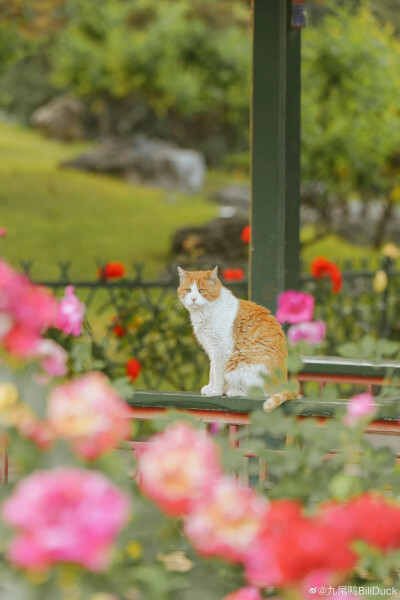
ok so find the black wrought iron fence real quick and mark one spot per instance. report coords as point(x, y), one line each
point(135, 317)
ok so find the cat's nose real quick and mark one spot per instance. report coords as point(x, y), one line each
point(194, 299)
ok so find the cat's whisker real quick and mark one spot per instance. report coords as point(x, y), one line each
point(177, 306)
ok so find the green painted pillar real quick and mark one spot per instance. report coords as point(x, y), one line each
point(275, 124)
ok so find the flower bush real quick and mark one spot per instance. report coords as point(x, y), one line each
point(78, 520)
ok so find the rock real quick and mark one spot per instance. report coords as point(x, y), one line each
point(236, 195)
point(147, 162)
point(218, 240)
point(61, 118)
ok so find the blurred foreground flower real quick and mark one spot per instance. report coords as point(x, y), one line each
point(3, 232)
point(358, 407)
point(26, 310)
point(226, 522)
point(133, 369)
point(292, 546)
point(312, 332)
point(70, 313)
point(19, 415)
point(245, 593)
point(322, 267)
point(316, 580)
point(8, 395)
point(64, 515)
point(89, 414)
point(294, 307)
point(369, 518)
point(176, 561)
point(112, 270)
point(53, 357)
point(178, 468)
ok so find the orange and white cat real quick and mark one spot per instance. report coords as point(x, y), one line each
point(242, 339)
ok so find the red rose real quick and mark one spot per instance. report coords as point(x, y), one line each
point(291, 546)
point(322, 267)
point(368, 517)
point(119, 331)
point(133, 368)
point(233, 274)
point(112, 270)
point(246, 234)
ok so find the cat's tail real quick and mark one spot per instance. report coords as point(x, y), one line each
point(279, 398)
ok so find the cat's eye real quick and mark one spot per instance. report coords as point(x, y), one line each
point(187, 290)
point(202, 291)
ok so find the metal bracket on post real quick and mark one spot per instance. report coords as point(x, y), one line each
point(299, 19)
point(275, 206)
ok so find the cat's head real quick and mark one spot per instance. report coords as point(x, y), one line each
point(197, 289)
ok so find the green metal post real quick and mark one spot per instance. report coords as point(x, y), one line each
point(275, 206)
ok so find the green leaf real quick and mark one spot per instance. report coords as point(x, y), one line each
point(368, 347)
point(294, 363)
point(348, 350)
point(388, 347)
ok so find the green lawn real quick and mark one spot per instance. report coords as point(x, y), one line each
point(57, 214)
point(339, 250)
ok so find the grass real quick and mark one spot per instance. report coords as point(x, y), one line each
point(57, 214)
point(339, 250)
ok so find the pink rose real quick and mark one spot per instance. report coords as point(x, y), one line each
point(294, 307)
point(227, 522)
point(26, 310)
point(70, 313)
point(316, 580)
point(358, 407)
point(177, 468)
point(89, 414)
point(55, 358)
point(64, 515)
point(312, 332)
point(245, 593)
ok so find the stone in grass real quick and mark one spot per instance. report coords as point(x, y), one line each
point(145, 162)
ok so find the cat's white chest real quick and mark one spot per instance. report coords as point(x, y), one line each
point(213, 325)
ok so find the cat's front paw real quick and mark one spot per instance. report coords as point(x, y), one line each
point(210, 391)
point(235, 393)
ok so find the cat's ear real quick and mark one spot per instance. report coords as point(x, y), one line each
point(213, 276)
point(182, 274)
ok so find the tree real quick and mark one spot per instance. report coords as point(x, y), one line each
point(188, 60)
point(25, 21)
point(351, 109)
